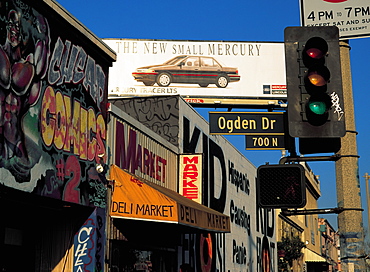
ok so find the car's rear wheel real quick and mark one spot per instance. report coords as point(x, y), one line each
point(164, 79)
point(222, 82)
point(148, 83)
point(203, 85)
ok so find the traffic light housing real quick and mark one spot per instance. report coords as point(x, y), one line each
point(314, 82)
point(281, 186)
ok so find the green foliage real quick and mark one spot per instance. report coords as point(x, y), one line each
point(293, 251)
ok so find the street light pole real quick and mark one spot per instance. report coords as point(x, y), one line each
point(350, 222)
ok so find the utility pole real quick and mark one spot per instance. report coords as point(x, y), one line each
point(367, 177)
point(350, 222)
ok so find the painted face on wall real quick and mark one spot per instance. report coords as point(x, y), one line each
point(13, 29)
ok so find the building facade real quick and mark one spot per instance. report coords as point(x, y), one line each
point(227, 187)
point(53, 92)
point(330, 248)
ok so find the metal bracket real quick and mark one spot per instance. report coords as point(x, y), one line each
point(338, 210)
point(314, 158)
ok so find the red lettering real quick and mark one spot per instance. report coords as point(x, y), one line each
point(187, 160)
point(132, 156)
point(191, 193)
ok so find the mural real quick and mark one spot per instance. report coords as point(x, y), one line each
point(52, 113)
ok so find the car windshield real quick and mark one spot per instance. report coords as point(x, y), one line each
point(175, 60)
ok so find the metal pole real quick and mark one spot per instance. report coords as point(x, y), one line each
point(347, 180)
point(367, 177)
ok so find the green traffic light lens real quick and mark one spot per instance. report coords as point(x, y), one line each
point(317, 107)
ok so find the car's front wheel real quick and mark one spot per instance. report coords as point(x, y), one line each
point(222, 82)
point(148, 83)
point(203, 85)
point(164, 79)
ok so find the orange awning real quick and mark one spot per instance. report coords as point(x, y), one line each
point(136, 198)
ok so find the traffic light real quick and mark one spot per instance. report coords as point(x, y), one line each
point(314, 82)
point(281, 186)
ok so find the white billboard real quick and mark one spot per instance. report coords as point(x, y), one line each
point(216, 69)
point(352, 17)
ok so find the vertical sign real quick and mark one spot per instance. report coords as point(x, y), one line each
point(190, 179)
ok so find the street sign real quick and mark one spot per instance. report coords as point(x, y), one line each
point(246, 123)
point(350, 16)
point(265, 142)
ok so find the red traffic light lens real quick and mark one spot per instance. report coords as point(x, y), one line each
point(316, 47)
point(315, 53)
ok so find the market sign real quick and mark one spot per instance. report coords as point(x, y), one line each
point(246, 123)
point(190, 176)
point(139, 199)
point(352, 17)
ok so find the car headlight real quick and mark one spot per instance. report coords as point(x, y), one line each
point(146, 71)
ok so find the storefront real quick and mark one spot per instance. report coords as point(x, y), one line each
point(314, 262)
point(151, 219)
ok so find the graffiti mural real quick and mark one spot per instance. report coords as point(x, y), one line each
point(52, 110)
point(24, 59)
point(156, 113)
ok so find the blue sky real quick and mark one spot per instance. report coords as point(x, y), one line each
point(235, 20)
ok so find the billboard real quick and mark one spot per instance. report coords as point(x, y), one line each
point(352, 17)
point(197, 69)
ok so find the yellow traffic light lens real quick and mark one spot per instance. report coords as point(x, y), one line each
point(316, 79)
